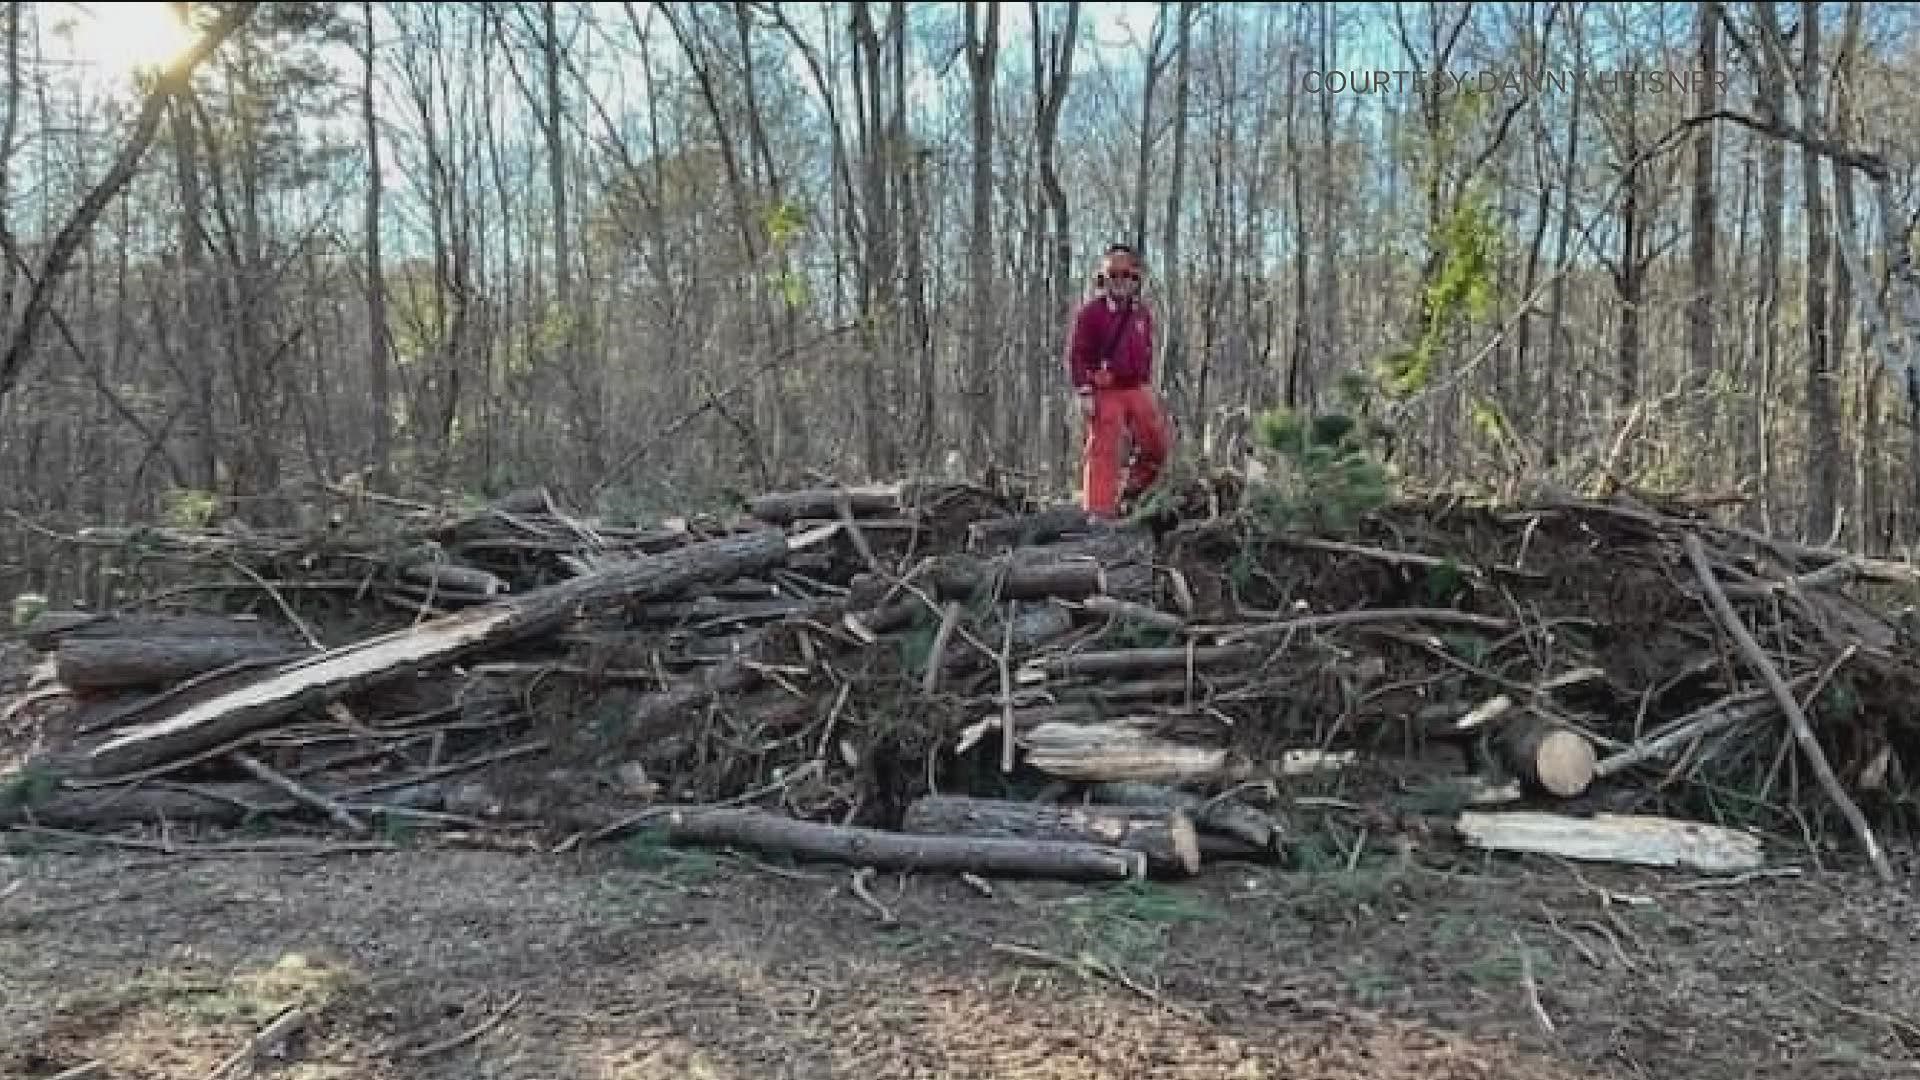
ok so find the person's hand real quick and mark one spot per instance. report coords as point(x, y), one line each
point(1103, 378)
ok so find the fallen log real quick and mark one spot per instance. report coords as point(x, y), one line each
point(103, 663)
point(859, 846)
point(445, 578)
point(1226, 816)
point(786, 507)
point(1126, 612)
point(201, 804)
point(49, 628)
point(1021, 530)
point(1642, 841)
point(1166, 836)
point(1547, 756)
point(357, 667)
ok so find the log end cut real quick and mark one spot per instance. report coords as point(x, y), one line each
point(1549, 757)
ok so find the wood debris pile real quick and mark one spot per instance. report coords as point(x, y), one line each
point(946, 676)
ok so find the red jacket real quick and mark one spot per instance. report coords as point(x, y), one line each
point(1129, 358)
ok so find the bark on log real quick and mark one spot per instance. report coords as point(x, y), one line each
point(786, 507)
point(89, 663)
point(858, 846)
point(716, 608)
point(461, 581)
point(50, 628)
point(1547, 756)
point(1129, 612)
point(205, 804)
point(357, 667)
point(1642, 841)
point(1166, 836)
point(1125, 555)
point(1227, 817)
point(1023, 530)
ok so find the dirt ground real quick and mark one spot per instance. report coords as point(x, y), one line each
point(621, 963)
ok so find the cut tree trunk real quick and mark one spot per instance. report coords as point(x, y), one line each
point(202, 804)
point(1225, 816)
point(1642, 841)
point(356, 667)
point(1166, 837)
point(458, 580)
point(50, 628)
point(1042, 527)
point(858, 846)
point(91, 663)
point(1547, 756)
point(786, 507)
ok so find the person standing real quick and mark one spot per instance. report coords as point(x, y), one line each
point(1110, 362)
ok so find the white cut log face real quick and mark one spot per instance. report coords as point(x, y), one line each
point(1565, 763)
point(1639, 840)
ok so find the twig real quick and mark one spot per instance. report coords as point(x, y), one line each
point(859, 539)
point(860, 879)
point(81, 1072)
point(1553, 922)
point(1598, 928)
point(937, 653)
point(1907, 1029)
point(1738, 879)
point(285, 608)
point(470, 1034)
point(1371, 615)
point(270, 1040)
point(1532, 988)
point(450, 769)
point(300, 792)
point(1084, 964)
point(1802, 732)
point(641, 817)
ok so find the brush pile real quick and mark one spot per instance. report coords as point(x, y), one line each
point(950, 676)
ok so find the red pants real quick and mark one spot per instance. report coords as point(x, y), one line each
point(1119, 412)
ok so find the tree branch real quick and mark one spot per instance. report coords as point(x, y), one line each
point(1866, 161)
point(170, 82)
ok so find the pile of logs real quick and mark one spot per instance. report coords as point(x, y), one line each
point(866, 674)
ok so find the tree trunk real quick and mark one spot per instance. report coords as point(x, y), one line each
point(983, 45)
point(380, 408)
point(853, 845)
point(119, 663)
point(1772, 103)
point(1173, 370)
point(1559, 354)
point(1823, 463)
point(1702, 256)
